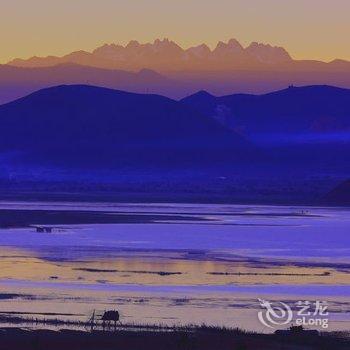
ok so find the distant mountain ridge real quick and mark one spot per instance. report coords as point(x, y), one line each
point(163, 55)
point(165, 68)
point(167, 56)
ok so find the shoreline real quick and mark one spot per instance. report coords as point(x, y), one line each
point(315, 290)
point(158, 198)
point(212, 267)
point(202, 338)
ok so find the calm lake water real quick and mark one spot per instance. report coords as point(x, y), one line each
point(177, 263)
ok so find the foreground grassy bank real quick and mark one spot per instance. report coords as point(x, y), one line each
point(183, 338)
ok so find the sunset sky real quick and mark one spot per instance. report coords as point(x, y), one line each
point(313, 29)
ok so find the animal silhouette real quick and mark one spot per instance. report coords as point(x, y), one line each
point(110, 317)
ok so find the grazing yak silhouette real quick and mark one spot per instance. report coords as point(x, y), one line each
point(109, 317)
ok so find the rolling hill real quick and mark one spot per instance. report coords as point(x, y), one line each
point(304, 129)
point(17, 82)
point(97, 128)
point(312, 111)
point(290, 146)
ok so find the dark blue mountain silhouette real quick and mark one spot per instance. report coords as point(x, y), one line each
point(287, 146)
point(16, 82)
point(91, 127)
point(295, 110)
point(302, 128)
point(340, 195)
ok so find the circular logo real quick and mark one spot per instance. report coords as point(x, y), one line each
point(274, 313)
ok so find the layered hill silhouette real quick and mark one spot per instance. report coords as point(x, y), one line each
point(16, 82)
point(163, 67)
point(302, 127)
point(321, 111)
point(96, 128)
point(289, 146)
point(89, 124)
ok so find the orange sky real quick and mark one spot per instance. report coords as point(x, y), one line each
point(314, 29)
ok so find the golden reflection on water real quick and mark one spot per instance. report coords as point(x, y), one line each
point(161, 269)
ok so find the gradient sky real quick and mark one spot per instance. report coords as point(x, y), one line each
point(317, 29)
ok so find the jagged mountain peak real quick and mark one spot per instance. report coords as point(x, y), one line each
point(267, 53)
point(165, 54)
point(132, 44)
point(232, 43)
point(231, 47)
point(166, 44)
point(199, 51)
point(163, 41)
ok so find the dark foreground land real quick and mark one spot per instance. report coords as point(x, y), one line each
point(202, 338)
